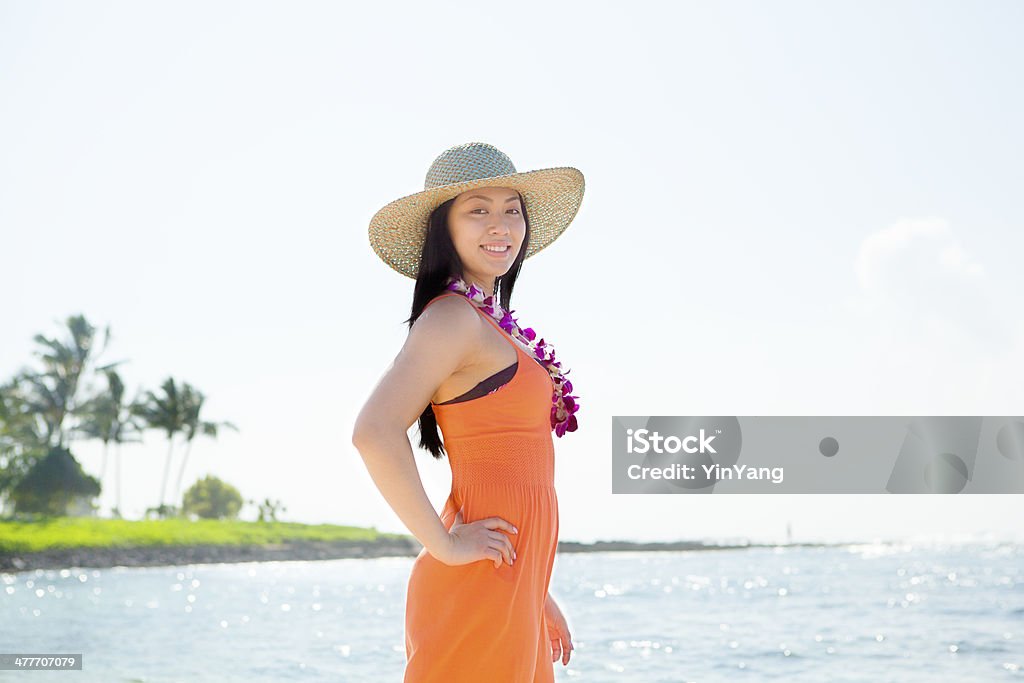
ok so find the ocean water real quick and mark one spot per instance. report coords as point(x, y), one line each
point(875, 613)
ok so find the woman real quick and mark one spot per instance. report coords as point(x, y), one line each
point(477, 606)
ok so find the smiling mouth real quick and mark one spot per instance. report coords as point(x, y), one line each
point(495, 252)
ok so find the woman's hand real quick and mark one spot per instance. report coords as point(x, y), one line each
point(479, 540)
point(558, 632)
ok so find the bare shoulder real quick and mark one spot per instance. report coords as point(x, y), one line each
point(449, 326)
point(443, 340)
point(449, 310)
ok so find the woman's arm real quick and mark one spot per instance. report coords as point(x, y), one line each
point(442, 340)
point(558, 631)
point(389, 458)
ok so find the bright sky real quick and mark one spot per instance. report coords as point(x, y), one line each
point(792, 208)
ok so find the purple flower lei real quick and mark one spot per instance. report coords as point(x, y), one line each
point(564, 405)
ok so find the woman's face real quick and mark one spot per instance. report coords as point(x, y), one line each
point(482, 217)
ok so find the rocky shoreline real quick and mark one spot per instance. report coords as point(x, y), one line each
point(149, 556)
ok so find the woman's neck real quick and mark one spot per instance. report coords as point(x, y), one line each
point(487, 290)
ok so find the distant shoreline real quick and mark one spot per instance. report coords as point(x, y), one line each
point(170, 555)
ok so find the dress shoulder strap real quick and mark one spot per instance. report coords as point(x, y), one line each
point(486, 317)
point(439, 297)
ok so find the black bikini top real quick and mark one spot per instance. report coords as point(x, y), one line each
point(492, 383)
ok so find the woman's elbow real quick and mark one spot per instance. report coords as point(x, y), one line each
point(365, 433)
point(366, 425)
point(361, 434)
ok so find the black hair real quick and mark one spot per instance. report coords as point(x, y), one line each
point(438, 261)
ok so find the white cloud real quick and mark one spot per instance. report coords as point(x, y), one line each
point(917, 279)
point(911, 249)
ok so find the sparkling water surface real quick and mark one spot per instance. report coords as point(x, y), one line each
point(876, 613)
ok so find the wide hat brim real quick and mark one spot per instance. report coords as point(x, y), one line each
point(552, 197)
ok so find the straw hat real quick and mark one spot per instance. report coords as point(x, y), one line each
point(552, 197)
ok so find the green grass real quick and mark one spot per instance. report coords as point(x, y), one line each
point(85, 532)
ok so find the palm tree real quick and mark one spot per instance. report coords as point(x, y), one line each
point(22, 436)
point(108, 418)
point(192, 401)
point(52, 393)
point(20, 428)
point(164, 412)
point(36, 404)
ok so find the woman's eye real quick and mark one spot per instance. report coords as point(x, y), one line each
point(475, 210)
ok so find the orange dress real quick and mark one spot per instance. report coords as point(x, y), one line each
point(473, 622)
